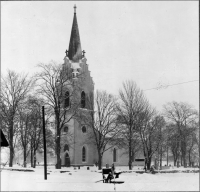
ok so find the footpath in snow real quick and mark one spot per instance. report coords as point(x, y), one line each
point(70, 179)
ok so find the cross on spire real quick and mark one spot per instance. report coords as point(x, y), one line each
point(83, 53)
point(75, 8)
point(66, 52)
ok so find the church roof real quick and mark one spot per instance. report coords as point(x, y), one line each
point(75, 51)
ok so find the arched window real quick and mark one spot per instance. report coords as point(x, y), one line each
point(67, 99)
point(84, 129)
point(114, 155)
point(65, 129)
point(83, 99)
point(66, 148)
point(83, 154)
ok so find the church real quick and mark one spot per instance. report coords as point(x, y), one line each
point(79, 152)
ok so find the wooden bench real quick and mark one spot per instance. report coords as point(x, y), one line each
point(107, 172)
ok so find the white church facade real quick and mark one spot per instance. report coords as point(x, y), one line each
point(79, 152)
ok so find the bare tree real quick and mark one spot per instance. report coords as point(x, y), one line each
point(25, 131)
point(30, 128)
point(14, 89)
point(123, 141)
point(163, 143)
point(191, 144)
point(150, 130)
point(35, 106)
point(132, 103)
point(191, 147)
point(181, 114)
point(101, 118)
point(61, 93)
point(166, 141)
point(196, 140)
point(174, 142)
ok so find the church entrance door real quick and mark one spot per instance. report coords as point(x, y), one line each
point(67, 160)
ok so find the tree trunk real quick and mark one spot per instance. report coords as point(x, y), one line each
point(58, 147)
point(175, 157)
point(148, 163)
point(167, 156)
point(181, 159)
point(58, 165)
point(11, 145)
point(11, 154)
point(31, 157)
point(133, 157)
point(184, 160)
point(189, 158)
point(145, 159)
point(99, 161)
point(25, 157)
point(178, 158)
point(130, 155)
point(34, 155)
point(145, 164)
point(174, 162)
point(34, 149)
point(161, 158)
point(184, 154)
point(148, 160)
point(11, 134)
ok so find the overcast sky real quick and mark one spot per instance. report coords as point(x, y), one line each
point(152, 43)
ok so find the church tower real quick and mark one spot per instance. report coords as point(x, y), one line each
point(78, 152)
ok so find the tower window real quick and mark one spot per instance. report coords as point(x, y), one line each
point(114, 155)
point(65, 129)
point(83, 154)
point(67, 99)
point(66, 147)
point(84, 129)
point(83, 99)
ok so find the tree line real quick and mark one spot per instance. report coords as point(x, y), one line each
point(127, 120)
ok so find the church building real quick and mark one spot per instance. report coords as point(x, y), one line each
point(79, 152)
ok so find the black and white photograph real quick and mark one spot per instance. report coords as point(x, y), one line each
point(99, 96)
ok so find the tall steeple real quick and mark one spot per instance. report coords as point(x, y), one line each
point(75, 51)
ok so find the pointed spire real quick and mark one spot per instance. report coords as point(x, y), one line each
point(75, 9)
point(75, 51)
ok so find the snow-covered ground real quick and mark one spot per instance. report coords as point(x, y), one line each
point(86, 180)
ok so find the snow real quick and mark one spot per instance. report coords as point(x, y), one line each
point(86, 180)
